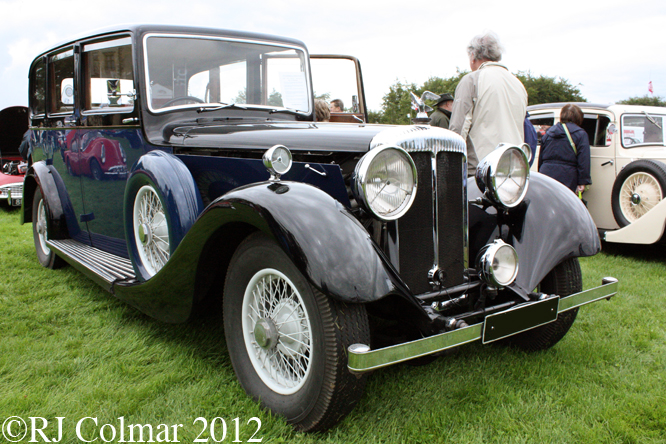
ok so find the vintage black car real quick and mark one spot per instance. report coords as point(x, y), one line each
point(333, 248)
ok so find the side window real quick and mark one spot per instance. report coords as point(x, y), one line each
point(38, 87)
point(595, 126)
point(541, 123)
point(61, 73)
point(108, 78)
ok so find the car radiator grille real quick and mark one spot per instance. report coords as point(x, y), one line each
point(15, 191)
point(416, 230)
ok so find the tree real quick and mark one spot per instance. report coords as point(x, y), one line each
point(545, 89)
point(397, 105)
point(645, 100)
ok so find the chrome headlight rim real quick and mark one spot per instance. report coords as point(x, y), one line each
point(277, 160)
point(486, 175)
point(359, 183)
point(487, 259)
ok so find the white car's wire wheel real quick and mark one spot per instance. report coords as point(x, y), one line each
point(639, 187)
point(151, 230)
point(288, 341)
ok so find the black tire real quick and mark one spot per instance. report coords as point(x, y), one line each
point(563, 280)
point(96, 170)
point(317, 389)
point(639, 187)
point(47, 257)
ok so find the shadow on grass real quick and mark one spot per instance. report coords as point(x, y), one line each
point(649, 253)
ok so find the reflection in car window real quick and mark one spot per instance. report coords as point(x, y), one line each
point(642, 129)
point(108, 76)
point(186, 71)
point(38, 87)
point(62, 87)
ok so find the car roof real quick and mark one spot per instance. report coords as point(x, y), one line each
point(140, 29)
point(615, 108)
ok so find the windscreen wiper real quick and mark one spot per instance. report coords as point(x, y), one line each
point(204, 109)
point(652, 120)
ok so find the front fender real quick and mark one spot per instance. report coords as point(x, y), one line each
point(322, 238)
point(550, 226)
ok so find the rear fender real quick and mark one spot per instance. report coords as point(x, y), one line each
point(62, 220)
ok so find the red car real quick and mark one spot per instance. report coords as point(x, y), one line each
point(91, 154)
point(13, 124)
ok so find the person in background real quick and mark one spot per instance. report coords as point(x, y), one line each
point(565, 151)
point(490, 102)
point(322, 113)
point(442, 114)
point(337, 106)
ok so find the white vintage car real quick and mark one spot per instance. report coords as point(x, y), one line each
point(628, 167)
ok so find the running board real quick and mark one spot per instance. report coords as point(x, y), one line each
point(102, 267)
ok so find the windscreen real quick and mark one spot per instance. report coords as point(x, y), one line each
point(195, 71)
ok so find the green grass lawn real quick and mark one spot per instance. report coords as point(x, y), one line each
point(69, 349)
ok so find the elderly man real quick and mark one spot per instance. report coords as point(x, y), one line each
point(442, 114)
point(490, 102)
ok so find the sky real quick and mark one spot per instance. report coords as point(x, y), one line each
point(609, 49)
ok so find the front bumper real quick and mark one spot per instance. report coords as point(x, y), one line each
point(495, 327)
point(12, 193)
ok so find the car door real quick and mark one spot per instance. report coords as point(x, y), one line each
point(599, 126)
point(111, 140)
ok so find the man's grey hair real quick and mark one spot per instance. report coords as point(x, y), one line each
point(485, 47)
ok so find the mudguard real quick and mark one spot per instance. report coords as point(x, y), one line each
point(327, 244)
point(178, 192)
point(548, 227)
point(62, 220)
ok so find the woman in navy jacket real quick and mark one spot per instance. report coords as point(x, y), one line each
point(566, 158)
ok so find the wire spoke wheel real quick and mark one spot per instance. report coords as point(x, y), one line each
point(639, 194)
point(638, 188)
point(40, 233)
point(151, 230)
point(287, 341)
point(277, 331)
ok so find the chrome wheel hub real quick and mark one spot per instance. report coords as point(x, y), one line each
point(266, 334)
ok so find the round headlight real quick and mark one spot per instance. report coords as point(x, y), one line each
point(385, 182)
point(498, 264)
point(504, 175)
point(277, 160)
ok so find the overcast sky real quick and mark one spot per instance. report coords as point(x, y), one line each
point(610, 49)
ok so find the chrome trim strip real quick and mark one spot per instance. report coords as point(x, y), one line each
point(102, 267)
point(362, 359)
point(421, 138)
point(605, 291)
point(435, 222)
